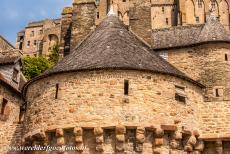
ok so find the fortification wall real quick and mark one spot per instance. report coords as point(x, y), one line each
point(10, 128)
point(96, 99)
point(209, 65)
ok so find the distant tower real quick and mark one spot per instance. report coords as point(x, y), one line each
point(164, 13)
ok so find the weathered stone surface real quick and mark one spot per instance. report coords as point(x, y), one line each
point(120, 138)
point(59, 132)
point(98, 131)
point(78, 131)
point(120, 129)
point(158, 141)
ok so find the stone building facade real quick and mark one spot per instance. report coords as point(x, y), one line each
point(121, 88)
point(39, 37)
point(12, 105)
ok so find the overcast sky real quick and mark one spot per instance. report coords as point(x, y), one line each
point(15, 14)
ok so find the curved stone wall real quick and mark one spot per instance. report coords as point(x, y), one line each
point(208, 64)
point(92, 99)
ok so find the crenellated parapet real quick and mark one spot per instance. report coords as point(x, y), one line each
point(121, 139)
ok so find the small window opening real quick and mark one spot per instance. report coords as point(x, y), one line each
point(167, 21)
point(35, 42)
point(124, 0)
point(3, 106)
point(126, 87)
point(217, 93)
point(15, 75)
point(98, 15)
point(32, 34)
point(197, 19)
point(180, 95)
point(226, 57)
point(57, 88)
point(199, 3)
point(28, 43)
point(163, 9)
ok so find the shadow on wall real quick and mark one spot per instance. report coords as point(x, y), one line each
point(16, 138)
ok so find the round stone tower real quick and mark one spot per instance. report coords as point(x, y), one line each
point(112, 95)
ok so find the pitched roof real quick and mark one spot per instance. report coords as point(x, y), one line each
point(110, 46)
point(6, 83)
point(182, 36)
point(6, 43)
point(4, 60)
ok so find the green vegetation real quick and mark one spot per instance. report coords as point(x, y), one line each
point(34, 66)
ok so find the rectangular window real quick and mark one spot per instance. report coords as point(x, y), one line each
point(57, 88)
point(163, 9)
point(32, 34)
point(28, 43)
point(167, 21)
point(219, 92)
point(126, 87)
point(15, 75)
point(197, 19)
point(98, 15)
point(180, 94)
point(3, 106)
point(226, 57)
point(200, 3)
point(35, 42)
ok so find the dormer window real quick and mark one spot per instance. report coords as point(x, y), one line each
point(180, 94)
point(15, 75)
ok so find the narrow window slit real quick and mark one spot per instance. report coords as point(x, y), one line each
point(226, 57)
point(3, 106)
point(126, 87)
point(57, 88)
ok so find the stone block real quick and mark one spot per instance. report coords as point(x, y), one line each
point(199, 146)
point(59, 132)
point(158, 141)
point(120, 138)
point(78, 131)
point(192, 140)
point(120, 129)
point(60, 141)
point(159, 132)
point(99, 139)
point(140, 138)
point(140, 130)
point(78, 139)
point(177, 135)
point(188, 148)
point(98, 131)
point(120, 147)
point(99, 148)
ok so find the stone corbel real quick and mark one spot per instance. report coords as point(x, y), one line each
point(219, 147)
point(98, 132)
point(120, 138)
point(60, 140)
point(78, 133)
point(159, 140)
point(175, 142)
point(140, 138)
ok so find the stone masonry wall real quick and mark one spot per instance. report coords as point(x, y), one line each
point(83, 21)
point(97, 99)
point(140, 19)
point(207, 64)
point(10, 129)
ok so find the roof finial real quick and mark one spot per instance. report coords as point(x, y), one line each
point(112, 11)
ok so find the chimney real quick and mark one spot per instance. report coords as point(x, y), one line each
point(83, 20)
point(66, 24)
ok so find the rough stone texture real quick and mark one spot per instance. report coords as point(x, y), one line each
point(46, 34)
point(91, 112)
point(140, 16)
point(83, 22)
point(206, 64)
point(66, 26)
point(10, 129)
point(5, 45)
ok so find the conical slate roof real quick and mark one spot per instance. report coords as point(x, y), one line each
point(181, 36)
point(111, 45)
point(213, 30)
